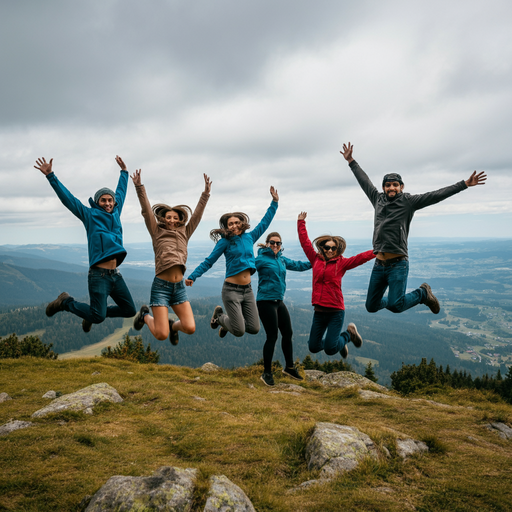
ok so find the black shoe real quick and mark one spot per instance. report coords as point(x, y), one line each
point(344, 352)
point(222, 332)
point(293, 373)
point(86, 325)
point(57, 305)
point(174, 337)
point(268, 379)
point(431, 301)
point(355, 337)
point(213, 322)
point(138, 321)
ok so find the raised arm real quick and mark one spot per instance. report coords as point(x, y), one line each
point(122, 184)
point(358, 259)
point(201, 205)
point(364, 181)
point(267, 219)
point(208, 263)
point(145, 206)
point(297, 266)
point(304, 240)
point(65, 196)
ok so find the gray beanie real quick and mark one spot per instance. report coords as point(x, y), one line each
point(102, 192)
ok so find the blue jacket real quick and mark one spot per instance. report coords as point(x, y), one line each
point(238, 250)
point(104, 230)
point(272, 273)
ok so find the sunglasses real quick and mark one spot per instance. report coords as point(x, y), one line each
point(329, 247)
point(273, 242)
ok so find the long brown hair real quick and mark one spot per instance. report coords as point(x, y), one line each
point(269, 236)
point(183, 211)
point(223, 232)
point(319, 243)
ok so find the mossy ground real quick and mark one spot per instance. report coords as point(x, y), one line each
point(256, 438)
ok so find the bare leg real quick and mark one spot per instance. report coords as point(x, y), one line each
point(186, 322)
point(158, 323)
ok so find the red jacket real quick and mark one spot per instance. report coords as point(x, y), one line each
point(327, 274)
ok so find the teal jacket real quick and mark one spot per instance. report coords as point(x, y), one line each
point(272, 273)
point(104, 230)
point(238, 250)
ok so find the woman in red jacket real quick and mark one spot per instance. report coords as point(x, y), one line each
point(329, 266)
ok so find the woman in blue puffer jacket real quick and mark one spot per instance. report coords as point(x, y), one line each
point(271, 266)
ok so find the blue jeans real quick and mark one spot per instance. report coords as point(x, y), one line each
point(334, 340)
point(102, 283)
point(393, 276)
point(165, 293)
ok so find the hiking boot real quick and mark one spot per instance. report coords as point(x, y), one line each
point(355, 337)
point(174, 337)
point(57, 305)
point(222, 332)
point(213, 322)
point(86, 325)
point(138, 321)
point(344, 352)
point(268, 379)
point(431, 301)
point(293, 373)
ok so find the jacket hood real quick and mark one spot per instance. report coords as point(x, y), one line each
point(98, 207)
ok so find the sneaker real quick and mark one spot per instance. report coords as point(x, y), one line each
point(213, 322)
point(431, 301)
point(293, 373)
point(222, 332)
point(344, 352)
point(174, 337)
point(57, 305)
point(138, 321)
point(86, 325)
point(355, 337)
point(268, 379)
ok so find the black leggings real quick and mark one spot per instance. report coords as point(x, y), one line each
point(274, 316)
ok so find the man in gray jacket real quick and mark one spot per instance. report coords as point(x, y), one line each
point(394, 211)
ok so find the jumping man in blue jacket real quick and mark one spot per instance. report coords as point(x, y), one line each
point(106, 252)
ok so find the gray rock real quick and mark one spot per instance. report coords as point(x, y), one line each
point(312, 375)
point(82, 399)
point(199, 398)
point(251, 386)
point(88, 410)
point(407, 447)
point(369, 395)
point(346, 379)
point(504, 431)
point(225, 496)
point(13, 425)
point(4, 397)
point(96, 373)
point(210, 367)
point(305, 485)
point(168, 489)
point(50, 394)
point(337, 448)
point(291, 387)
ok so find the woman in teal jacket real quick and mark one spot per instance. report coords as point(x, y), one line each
point(236, 243)
point(272, 266)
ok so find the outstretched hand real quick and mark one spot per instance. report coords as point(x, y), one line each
point(476, 179)
point(347, 152)
point(207, 186)
point(274, 194)
point(302, 216)
point(136, 178)
point(119, 160)
point(189, 282)
point(45, 168)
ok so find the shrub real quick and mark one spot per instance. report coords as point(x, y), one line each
point(11, 347)
point(132, 350)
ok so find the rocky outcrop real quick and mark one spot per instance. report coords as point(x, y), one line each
point(13, 425)
point(341, 379)
point(504, 431)
point(225, 496)
point(168, 489)
point(210, 367)
point(81, 400)
point(370, 395)
point(4, 397)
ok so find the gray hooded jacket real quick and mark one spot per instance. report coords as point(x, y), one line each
point(393, 216)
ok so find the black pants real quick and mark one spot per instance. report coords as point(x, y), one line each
point(275, 317)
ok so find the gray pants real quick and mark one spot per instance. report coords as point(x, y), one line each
point(240, 310)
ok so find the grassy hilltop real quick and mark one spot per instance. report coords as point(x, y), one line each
point(255, 437)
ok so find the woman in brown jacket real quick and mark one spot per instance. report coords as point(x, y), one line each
point(170, 233)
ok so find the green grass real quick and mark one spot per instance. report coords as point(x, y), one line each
point(254, 437)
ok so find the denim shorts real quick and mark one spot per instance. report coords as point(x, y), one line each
point(164, 293)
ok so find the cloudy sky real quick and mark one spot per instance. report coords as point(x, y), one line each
point(256, 94)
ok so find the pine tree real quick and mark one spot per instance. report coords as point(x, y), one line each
point(369, 373)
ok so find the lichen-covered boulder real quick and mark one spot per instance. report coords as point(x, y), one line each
point(4, 397)
point(407, 447)
point(225, 496)
point(81, 400)
point(312, 375)
point(367, 394)
point(50, 394)
point(167, 490)
point(337, 448)
point(210, 367)
point(13, 425)
point(504, 431)
point(346, 379)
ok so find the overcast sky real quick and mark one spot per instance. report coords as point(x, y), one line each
point(256, 94)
